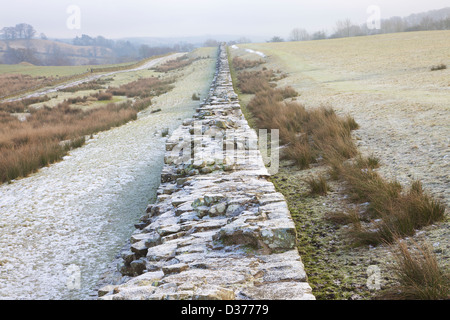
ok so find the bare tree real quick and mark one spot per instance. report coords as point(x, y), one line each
point(20, 30)
point(299, 35)
point(28, 31)
point(243, 40)
point(426, 23)
point(319, 35)
point(343, 28)
point(211, 43)
point(9, 33)
point(276, 39)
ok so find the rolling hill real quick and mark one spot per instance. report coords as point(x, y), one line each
point(48, 52)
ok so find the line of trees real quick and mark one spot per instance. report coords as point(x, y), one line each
point(432, 20)
point(19, 31)
point(108, 51)
point(125, 50)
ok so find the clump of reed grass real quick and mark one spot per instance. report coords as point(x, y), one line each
point(13, 83)
point(143, 88)
point(318, 185)
point(241, 64)
point(419, 275)
point(174, 64)
point(32, 144)
point(22, 105)
point(394, 212)
point(307, 134)
point(103, 96)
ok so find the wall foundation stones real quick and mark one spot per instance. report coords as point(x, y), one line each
point(218, 229)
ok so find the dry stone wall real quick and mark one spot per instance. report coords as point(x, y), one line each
point(218, 229)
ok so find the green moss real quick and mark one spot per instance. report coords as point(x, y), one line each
point(331, 273)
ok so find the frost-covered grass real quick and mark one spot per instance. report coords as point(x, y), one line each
point(81, 210)
point(26, 146)
point(393, 212)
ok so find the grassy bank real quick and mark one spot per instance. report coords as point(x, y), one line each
point(47, 134)
point(339, 202)
point(19, 79)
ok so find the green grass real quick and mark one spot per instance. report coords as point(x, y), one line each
point(53, 71)
point(37, 71)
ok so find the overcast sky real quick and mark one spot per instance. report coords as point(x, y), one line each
point(174, 18)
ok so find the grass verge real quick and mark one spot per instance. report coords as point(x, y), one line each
point(384, 211)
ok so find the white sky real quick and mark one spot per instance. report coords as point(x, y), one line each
point(165, 18)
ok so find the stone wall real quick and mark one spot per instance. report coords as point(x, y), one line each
point(218, 229)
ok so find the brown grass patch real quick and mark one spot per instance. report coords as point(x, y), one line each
point(143, 88)
point(241, 64)
point(21, 106)
point(307, 134)
point(13, 83)
point(419, 274)
point(49, 133)
point(91, 85)
point(318, 185)
point(174, 64)
point(438, 67)
point(391, 211)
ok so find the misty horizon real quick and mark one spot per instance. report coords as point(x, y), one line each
point(200, 18)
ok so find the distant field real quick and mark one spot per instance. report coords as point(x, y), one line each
point(22, 78)
point(78, 55)
point(385, 82)
point(38, 131)
point(63, 71)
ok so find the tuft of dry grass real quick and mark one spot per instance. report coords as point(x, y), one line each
point(12, 83)
point(241, 64)
point(174, 64)
point(419, 274)
point(342, 218)
point(371, 162)
point(103, 96)
point(395, 212)
point(143, 88)
point(21, 105)
point(318, 185)
point(252, 82)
